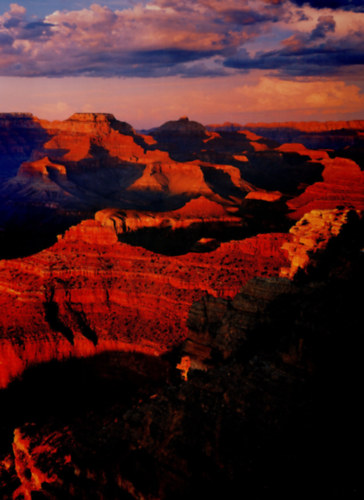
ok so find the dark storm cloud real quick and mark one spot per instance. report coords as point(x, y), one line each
point(325, 25)
point(34, 30)
point(354, 5)
point(5, 39)
point(315, 61)
point(245, 17)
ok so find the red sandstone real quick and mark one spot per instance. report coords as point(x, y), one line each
point(112, 296)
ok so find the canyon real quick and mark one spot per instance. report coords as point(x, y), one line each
point(171, 300)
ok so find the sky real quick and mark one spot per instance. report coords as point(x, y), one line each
point(149, 61)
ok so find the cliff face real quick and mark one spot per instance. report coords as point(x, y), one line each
point(333, 135)
point(312, 234)
point(200, 210)
point(308, 250)
point(20, 135)
point(342, 185)
point(89, 293)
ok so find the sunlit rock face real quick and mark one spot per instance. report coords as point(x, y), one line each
point(327, 134)
point(200, 210)
point(312, 234)
point(90, 293)
point(342, 185)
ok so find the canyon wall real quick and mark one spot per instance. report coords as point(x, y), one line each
point(90, 293)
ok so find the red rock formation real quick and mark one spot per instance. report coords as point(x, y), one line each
point(89, 293)
point(250, 135)
point(312, 126)
point(40, 168)
point(40, 180)
point(75, 137)
point(264, 195)
point(183, 126)
point(241, 158)
point(26, 455)
point(303, 151)
point(173, 178)
point(259, 146)
point(343, 184)
point(197, 211)
point(20, 135)
point(79, 141)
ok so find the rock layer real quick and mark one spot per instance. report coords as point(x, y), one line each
point(200, 210)
point(312, 234)
point(342, 185)
point(90, 293)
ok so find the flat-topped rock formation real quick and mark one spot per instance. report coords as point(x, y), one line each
point(200, 210)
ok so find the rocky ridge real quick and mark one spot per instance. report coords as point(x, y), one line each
point(89, 293)
point(200, 210)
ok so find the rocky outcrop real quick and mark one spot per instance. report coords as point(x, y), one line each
point(264, 195)
point(181, 127)
point(174, 179)
point(312, 237)
point(90, 124)
point(183, 139)
point(41, 180)
point(312, 234)
point(80, 136)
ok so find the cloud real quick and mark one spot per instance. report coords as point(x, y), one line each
point(100, 41)
point(191, 38)
point(353, 5)
point(273, 94)
point(325, 25)
point(318, 52)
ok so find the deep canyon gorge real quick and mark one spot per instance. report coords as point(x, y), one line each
point(180, 314)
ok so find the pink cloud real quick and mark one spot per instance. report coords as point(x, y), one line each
point(157, 37)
